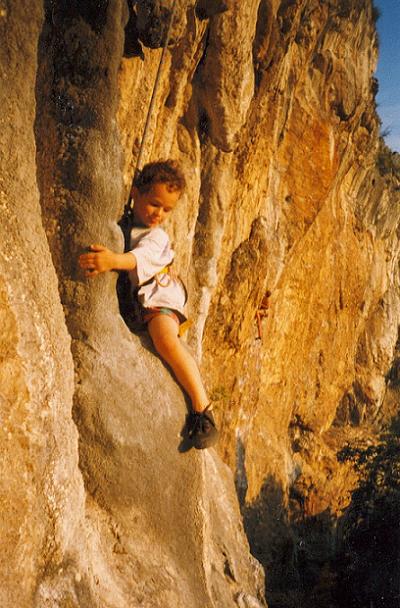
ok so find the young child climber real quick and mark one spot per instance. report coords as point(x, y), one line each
point(161, 295)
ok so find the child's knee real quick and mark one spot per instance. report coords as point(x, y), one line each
point(165, 344)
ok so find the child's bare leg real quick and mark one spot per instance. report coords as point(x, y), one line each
point(164, 333)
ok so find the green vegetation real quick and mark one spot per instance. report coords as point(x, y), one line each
point(345, 7)
point(369, 562)
point(376, 13)
point(388, 161)
point(350, 10)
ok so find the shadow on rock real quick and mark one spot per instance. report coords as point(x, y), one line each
point(369, 557)
point(326, 561)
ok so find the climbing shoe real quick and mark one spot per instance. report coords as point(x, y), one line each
point(201, 429)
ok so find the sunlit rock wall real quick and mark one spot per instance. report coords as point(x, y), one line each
point(269, 107)
point(99, 507)
point(42, 496)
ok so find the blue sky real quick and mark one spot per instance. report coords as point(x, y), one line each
point(388, 72)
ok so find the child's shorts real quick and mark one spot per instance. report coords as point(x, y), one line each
point(151, 313)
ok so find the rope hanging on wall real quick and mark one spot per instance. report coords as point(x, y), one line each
point(128, 211)
point(124, 291)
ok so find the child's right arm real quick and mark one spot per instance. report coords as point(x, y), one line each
point(102, 259)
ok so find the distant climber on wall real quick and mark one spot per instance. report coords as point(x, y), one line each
point(160, 294)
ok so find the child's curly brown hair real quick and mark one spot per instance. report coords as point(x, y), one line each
point(160, 172)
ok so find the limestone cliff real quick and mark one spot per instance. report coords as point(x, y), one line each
point(269, 107)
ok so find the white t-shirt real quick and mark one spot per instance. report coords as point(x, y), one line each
point(153, 252)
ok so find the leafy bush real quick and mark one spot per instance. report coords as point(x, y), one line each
point(376, 13)
point(388, 161)
point(345, 7)
point(369, 562)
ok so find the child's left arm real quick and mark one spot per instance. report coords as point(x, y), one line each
point(101, 259)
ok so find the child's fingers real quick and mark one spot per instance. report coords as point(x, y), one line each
point(86, 261)
point(89, 263)
point(92, 262)
point(82, 261)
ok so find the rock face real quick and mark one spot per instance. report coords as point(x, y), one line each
point(269, 107)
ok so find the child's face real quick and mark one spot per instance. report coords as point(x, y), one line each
point(152, 207)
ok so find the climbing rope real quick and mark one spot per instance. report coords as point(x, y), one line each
point(126, 300)
point(129, 206)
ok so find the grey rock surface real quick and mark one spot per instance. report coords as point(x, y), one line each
point(99, 507)
point(269, 107)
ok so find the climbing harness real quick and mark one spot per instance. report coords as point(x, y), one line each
point(164, 277)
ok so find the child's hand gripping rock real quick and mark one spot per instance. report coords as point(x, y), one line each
point(101, 259)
